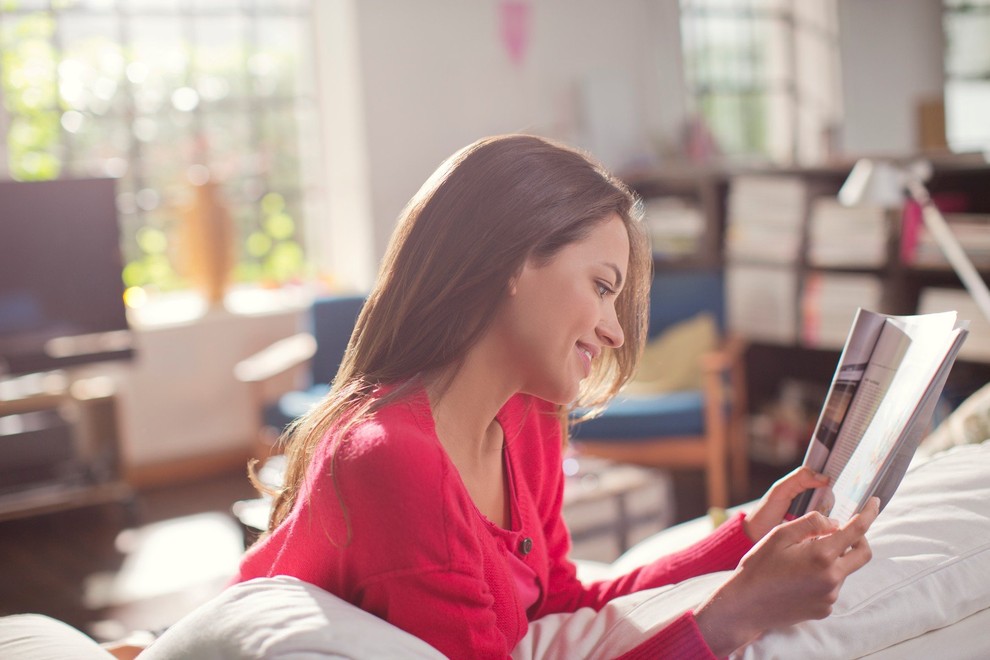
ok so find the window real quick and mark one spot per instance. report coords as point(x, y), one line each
point(967, 74)
point(763, 76)
point(163, 94)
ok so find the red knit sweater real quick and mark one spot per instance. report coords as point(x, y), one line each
point(422, 556)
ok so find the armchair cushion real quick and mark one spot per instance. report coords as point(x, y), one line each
point(669, 415)
point(293, 404)
point(331, 322)
point(672, 360)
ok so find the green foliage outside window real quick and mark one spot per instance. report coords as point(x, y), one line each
point(179, 96)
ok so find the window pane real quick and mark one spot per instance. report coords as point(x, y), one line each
point(159, 62)
point(310, 146)
point(281, 147)
point(967, 106)
point(98, 147)
point(278, 69)
point(220, 58)
point(92, 67)
point(229, 144)
point(158, 6)
point(967, 48)
point(157, 92)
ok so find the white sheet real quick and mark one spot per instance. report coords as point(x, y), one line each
point(925, 594)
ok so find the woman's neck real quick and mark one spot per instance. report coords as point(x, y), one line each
point(465, 401)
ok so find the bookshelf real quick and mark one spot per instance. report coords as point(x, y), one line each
point(797, 265)
point(685, 213)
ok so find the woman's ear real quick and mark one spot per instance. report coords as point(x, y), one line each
point(513, 283)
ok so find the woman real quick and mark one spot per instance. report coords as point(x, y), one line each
point(427, 487)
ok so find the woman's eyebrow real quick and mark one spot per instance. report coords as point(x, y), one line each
point(618, 273)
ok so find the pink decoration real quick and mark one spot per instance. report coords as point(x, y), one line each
point(515, 20)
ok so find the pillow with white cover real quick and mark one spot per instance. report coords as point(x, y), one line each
point(931, 559)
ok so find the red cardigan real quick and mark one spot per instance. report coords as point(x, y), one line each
point(421, 556)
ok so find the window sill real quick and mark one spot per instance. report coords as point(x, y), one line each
point(188, 307)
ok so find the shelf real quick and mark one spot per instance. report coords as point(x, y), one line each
point(61, 444)
point(48, 497)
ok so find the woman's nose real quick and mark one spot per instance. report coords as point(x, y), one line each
point(609, 330)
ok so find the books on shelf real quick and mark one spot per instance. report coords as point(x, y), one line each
point(761, 302)
point(677, 228)
point(972, 230)
point(765, 218)
point(879, 405)
point(843, 236)
point(829, 300)
point(938, 299)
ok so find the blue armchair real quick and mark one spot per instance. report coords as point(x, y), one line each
point(330, 323)
point(703, 428)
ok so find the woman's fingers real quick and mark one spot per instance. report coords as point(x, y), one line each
point(797, 482)
point(810, 525)
point(854, 530)
point(774, 505)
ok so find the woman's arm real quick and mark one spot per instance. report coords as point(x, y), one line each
point(792, 575)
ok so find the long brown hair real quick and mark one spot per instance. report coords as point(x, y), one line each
point(471, 227)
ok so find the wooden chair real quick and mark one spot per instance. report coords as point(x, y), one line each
point(320, 348)
point(702, 429)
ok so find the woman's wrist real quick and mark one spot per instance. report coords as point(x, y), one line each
point(725, 621)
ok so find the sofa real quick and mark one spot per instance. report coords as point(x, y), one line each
point(924, 593)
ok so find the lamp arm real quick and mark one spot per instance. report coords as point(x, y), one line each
point(947, 242)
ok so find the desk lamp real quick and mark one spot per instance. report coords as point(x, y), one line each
point(881, 183)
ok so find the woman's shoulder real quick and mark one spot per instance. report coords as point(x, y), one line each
point(398, 433)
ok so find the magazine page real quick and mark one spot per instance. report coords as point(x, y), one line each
point(890, 477)
point(860, 343)
point(934, 341)
point(871, 390)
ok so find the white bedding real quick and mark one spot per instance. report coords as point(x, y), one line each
point(927, 587)
point(926, 593)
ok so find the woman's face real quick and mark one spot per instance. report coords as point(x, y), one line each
point(560, 316)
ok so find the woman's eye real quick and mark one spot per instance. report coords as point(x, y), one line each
point(603, 289)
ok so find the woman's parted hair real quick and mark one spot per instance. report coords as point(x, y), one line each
point(471, 227)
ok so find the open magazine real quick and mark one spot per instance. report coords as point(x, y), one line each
point(879, 405)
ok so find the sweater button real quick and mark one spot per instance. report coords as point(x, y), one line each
point(526, 546)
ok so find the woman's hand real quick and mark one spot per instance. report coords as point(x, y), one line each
point(792, 575)
point(771, 509)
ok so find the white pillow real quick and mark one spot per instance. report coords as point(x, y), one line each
point(40, 637)
point(283, 618)
point(930, 569)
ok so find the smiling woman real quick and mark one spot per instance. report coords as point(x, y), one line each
point(427, 487)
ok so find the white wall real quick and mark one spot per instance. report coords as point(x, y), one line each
point(433, 76)
point(436, 77)
point(891, 56)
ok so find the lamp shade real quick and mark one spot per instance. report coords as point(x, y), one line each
point(873, 183)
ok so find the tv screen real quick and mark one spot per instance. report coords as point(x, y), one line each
point(61, 292)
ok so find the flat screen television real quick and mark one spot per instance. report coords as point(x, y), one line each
point(61, 292)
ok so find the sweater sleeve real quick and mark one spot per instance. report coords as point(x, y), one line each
point(719, 551)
